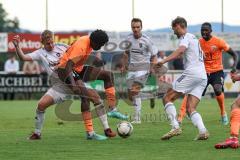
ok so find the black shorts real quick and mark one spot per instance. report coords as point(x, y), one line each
point(215, 78)
point(86, 74)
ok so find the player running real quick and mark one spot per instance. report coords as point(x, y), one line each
point(212, 47)
point(138, 57)
point(192, 81)
point(233, 141)
point(49, 55)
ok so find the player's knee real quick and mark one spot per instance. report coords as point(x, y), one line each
point(166, 99)
point(236, 104)
point(189, 111)
point(42, 106)
point(108, 79)
point(217, 89)
point(85, 105)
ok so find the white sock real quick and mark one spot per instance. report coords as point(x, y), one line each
point(39, 119)
point(112, 109)
point(198, 122)
point(90, 133)
point(170, 109)
point(137, 102)
point(104, 121)
point(102, 115)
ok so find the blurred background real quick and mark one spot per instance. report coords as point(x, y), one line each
point(74, 18)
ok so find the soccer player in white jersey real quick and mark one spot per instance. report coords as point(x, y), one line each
point(138, 56)
point(49, 55)
point(192, 81)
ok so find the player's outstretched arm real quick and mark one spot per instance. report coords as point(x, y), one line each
point(235, 57)
point(19, 52)
point(177, 53)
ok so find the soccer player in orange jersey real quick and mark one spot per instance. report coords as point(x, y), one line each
point(232, 141)
point(72, 67)
point(50, 55)
point(212, 47)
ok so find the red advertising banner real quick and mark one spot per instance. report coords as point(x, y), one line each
point(30, 42)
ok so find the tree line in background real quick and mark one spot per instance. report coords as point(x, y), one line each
point(6, 24)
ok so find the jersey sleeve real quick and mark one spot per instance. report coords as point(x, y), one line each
point(62, 46)
point(35, 55)
point(184, 42)
point(223, 45)
point(75, 52)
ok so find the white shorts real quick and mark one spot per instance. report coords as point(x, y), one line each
point(59, 92)
point(190, 85)
point(136, 76)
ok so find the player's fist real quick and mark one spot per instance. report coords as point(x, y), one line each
point(16, 40)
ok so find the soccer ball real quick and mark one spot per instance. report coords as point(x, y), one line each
point(124, 129)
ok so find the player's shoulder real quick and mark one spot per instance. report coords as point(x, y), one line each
point(190, 36)
point(145, 36)
point(220, 39)
point(146, 39)
point(129, 36)
point(61, 45)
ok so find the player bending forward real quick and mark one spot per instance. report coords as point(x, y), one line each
point(50, 55)
point(192, 81)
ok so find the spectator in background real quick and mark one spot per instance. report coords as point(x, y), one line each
point(31, 67)
point(11, 66)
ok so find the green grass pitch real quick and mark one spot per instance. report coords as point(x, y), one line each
point(67, 141)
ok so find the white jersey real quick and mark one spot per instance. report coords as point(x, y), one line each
point(140, 52)
point(49, 59)
point(193, 57)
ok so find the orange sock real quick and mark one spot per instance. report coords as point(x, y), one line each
point(235, 122)
point(220, 100)
point(110, 94)
point(87, 118)
point(182, 111)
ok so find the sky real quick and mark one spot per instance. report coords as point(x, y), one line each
point(116, 15)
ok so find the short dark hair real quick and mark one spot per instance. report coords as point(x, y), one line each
point(207, 24)
point(99, 37)
point(137, 20)
point(181, 21)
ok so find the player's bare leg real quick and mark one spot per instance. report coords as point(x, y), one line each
point(232, 141)
point(196, 118)
point(182, 111)
point(43, 103)
point(91, 73)
point(171, 112)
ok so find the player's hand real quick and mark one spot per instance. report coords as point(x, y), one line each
point(16, 40)
point(158, 65)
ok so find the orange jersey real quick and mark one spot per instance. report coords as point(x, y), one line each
point(78, 52)
point(213, 53)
